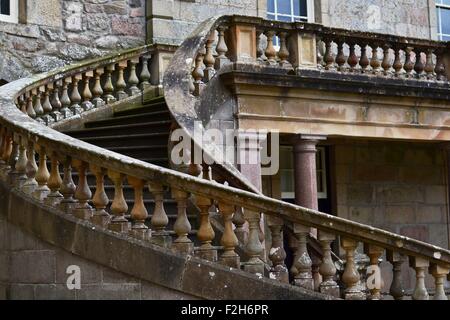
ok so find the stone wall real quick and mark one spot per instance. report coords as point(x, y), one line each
point(412, 18)
point(171, 21)
point(31, 269)
point(396, 186)
point(59, 32)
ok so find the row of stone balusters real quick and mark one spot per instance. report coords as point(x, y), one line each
point(62, 99)
point(399, 60)
point(352, 279)
point(19, 167)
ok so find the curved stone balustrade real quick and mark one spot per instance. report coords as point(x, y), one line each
point(27, 144)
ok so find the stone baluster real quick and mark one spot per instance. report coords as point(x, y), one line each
point(221, 48)
point(239, 223)
point(386, 63)
point(182, 225)
point(277, 254)
point(21, 164)
point(65, 100)
point(121, 85)
point(209, 59)
point(97, 91)
point(145, 75)
point(7, 150)
point(429, 66)
point(119, 206)
point(253, 246)
point(205, 233)
point(351, 276)
point(439, 69)
point(340, 58)
point(327, 268)
point(139, 213)
point(198, 73)
point(67, 188)
point(54, 183)
point(418, 66)
point(12, 161)
point(259, 50)
point(375, 283)
point(22, 102)
point(302, 263)
point(56, 102)
point(29, 101)
point(108, 87)
point(75, 96)
point(439, 273)
point(396, 259)
point(409, 65)
point(133, 80)
point(283, 54)
point(37, 102)
point(30, 184)
point(229, 240)
point(328, 58)
point(159, 219)
point(374, 61)
point(364, 60)
point(100, 199)
point(82, 193)
point(420, 265)
point(47, 106)
point(42, 176)
point(320, 51)
point(352, 59)
point(397, 65)
point(86, 94)
point(270, 51)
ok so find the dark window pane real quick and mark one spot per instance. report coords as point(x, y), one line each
point(445, 21)
point(284, 6)
point(445, 38)
point(271, 17)
point(5, 7)
point(300, 8)
point(270, 5)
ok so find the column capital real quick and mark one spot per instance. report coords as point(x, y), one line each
point(306, 143)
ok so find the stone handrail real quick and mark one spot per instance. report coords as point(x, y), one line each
point(24, 139)
point(190, 86)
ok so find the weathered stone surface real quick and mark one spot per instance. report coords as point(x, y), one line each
point(32, 266)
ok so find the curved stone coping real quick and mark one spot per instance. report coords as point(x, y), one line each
point(21, 124)
point(141, 259)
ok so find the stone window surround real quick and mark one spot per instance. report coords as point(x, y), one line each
point(18, 12)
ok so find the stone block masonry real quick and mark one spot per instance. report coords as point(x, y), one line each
point(60, 32)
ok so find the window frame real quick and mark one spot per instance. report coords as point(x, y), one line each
point(13, 17)
point(439, 8)
point(321, 172)
point(309, 11)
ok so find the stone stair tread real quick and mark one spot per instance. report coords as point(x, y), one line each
point(118, 127)
point(125, 118)
point(130, 136)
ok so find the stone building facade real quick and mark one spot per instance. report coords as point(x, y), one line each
point(53, 33)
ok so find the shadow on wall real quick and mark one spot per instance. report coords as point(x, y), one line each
point(3, 82)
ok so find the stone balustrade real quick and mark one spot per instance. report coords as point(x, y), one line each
point(41, 163)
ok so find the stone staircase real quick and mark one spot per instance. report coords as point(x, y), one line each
point(141, 133)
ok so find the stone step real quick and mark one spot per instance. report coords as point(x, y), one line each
point(131, 119)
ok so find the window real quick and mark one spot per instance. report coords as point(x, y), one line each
point(443, 19)
point(9, 11)
point(291, 10)
point(287, 173)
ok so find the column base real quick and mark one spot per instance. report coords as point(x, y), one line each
point(209, 254)
point(183, 247)
point(119, 226)
point(255, 267)
point(87, 105)
point(83, 213)
point(109, 99)
point(98, 102)
point(53, 200)
point(41, 193)
point(330, 288)
point(121, 95)
point(162, 239)
point(57, 116)
point(48, 119)
point(101, 220)
point(76, 109)
point(279, 273)
point(352, 294)
point(67, 206)
point(144, 234)
point(304, 281)
point(66, 113)
point(231, 260)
